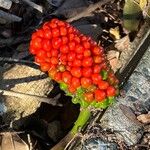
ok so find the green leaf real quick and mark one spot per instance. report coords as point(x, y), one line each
point(132, 14)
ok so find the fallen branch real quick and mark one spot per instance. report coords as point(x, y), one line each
point(9, 17)
point(35, 6)
point(52, 101)
point(88, 10)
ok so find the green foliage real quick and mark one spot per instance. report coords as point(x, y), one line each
point(132, 14)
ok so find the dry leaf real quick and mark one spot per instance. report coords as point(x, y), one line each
point(113, 57)
point(143, 3)
point(11, 141)
point(123, 43)
point(144, 118)
point(112, 54)
point(115, 33)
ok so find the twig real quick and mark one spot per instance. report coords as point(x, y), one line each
point(88, 10)
point(12, 60)
point(52, 101)
point(35, 6)
point(9, 17)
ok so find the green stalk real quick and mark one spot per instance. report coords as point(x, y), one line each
point(83, 117)
point(81, 121)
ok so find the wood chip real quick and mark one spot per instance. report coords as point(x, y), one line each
point(123, 43)
point(144, 118)
point(113, 57)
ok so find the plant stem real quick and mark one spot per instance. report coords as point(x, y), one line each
point(83, 117)
point(81, 121)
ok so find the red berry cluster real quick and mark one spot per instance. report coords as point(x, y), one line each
point(74, 59)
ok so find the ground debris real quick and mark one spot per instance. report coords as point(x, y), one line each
point(144, 118)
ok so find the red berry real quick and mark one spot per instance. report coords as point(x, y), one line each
point(36, 43)
point(70, 29)
point(46, 26)
point(63, 57)
point(55, 32)
point(54, 52)
point(52, 72)
point(77, 39)
point(89, 96)
point(45, 66)
point(66, 77)
point(86, 44)
point(71, 89)
point(71, 56)
point(96, 50)
point(48, 54)
point(53, 24)
point(34, 35)
point(96, 69)
point(96, 78)
point(63, 31)
point(103, 85)
point(72, 45)
point(84, 38)
point(100, 95)
point(75, 82)
point(56, 42)
point(86, 82)
point(77, 63)
point(76, 72)
point(47, 34)
point(68, 68)
point(71, 37)
point(38, 59)
point(54, 60)
point(70, 64)
point(87, 62)
point(79, 56)
point(48, 60)
point(32, 50)
point(61, 23)
point(46, 45)
point(79, 49)
point(40, 33)
point(111, 91)
point(87, 53)
point(98, 59)
point(64, 49)
point(58, 77)
point(55, 20)
point(64, 40)
point(87, 72)
point(41, 54)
